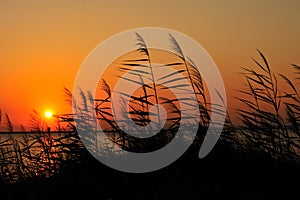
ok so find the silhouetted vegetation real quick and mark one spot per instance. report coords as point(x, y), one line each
point(269, 127)
point(270, 121)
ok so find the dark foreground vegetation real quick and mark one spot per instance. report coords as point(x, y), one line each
point(257, 159)
point(224, 173)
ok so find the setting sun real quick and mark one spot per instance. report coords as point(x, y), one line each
point(48, 114)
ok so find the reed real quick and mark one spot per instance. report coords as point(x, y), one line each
point(263, 122)
point(269, 119)
point(37, 154)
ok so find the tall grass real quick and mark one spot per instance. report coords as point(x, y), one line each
point(38, 154)
point(195, 79)
point(269, 119)
point(149, 95)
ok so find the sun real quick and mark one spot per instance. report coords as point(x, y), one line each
point(48, 114)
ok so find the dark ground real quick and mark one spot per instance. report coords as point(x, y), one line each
point(223, 174)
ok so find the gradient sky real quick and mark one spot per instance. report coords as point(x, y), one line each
point(43, 43)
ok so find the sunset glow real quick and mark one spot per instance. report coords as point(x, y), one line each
point(40, 49)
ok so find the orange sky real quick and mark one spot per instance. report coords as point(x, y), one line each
point(43, 43)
